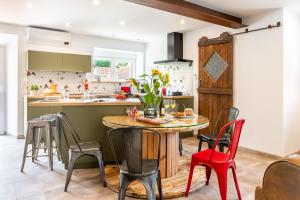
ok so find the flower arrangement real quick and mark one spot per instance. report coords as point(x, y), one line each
point(152, 85)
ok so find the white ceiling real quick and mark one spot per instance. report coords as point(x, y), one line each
point(245, 8)
point(142, 23)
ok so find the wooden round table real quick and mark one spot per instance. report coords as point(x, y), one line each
point(169, 151)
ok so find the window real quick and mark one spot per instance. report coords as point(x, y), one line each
point(112, 65)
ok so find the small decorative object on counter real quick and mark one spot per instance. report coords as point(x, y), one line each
point(152, 85)
point(86, 85)
point(52, 90)
point(132, 112)
point(126, 89)
point(66, 93)
point(120, 96)
point(34, 89)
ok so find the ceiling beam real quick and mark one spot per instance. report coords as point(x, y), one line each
point(192, 10)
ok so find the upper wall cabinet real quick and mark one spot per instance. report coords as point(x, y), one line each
point(48, 61)
point(77, 63)
point(45, 61)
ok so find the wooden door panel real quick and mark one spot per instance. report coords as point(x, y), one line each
point(214, 95)
point(225, 80)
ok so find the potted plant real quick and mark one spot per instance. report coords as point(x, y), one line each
point(152, 85)
point(34, 89)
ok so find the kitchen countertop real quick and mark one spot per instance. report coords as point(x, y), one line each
point(77, 102)
point(107, 95)
point(71, 95)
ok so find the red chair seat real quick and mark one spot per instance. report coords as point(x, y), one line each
point(204, 156)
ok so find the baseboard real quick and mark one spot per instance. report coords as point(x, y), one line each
point(260, 153)
point(20, 137)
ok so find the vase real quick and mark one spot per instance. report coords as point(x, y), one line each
point(150, 110)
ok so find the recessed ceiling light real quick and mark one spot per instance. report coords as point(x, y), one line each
point(68, 24)
point(28, 5)
point(96, 2)
point(182, 21)
point(122, 23)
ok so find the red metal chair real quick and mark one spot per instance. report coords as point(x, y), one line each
point(218, 161)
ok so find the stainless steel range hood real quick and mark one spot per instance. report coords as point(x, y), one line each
point(175, 50)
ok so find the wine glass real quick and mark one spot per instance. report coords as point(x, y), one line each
point(172, 105)
point(167, 107)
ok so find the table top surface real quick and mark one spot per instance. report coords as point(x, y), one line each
point(192, 123)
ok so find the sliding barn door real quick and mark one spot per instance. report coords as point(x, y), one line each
point(215, 77)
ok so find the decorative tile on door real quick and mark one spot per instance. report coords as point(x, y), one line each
point(215, 66)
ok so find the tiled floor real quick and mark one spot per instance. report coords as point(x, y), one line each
point(39, 183)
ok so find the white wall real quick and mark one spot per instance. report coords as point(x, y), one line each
point(2, 91)
point(155, 51)
point(10, 42)
point(80, 44)
point(19, 33)
point(291, 104)
point(258, 82)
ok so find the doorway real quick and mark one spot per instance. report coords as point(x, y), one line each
point(2, 91)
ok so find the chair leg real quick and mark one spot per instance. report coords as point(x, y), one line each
point(150, 183)
point(124, 182)
point(49, 145)
point(33, 150)
point(55, 136)
point(38, 143)
point(211, 144)
point(180, 145)
point(28, 135)
point(101, 167)
point(221, 148)
point(159, 185)
point(236, 182)
point(200, 145)
point(73, 157)
point(208, 173)
point(190, 178)
point(222, 179)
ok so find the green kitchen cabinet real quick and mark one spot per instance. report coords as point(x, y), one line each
point(45, 61)
point(56, 62)
point(76, 63)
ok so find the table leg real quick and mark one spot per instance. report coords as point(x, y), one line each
point(168, 151)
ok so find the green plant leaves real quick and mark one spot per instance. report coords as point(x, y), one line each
point(147, 87)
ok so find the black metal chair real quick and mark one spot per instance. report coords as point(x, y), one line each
point(230, 113)
point(92, 148)
point(132, 162)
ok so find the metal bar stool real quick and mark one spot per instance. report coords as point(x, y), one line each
point(56, 130)
point(31, 136)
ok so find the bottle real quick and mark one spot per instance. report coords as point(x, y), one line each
point(86, 94)
point(162, 107)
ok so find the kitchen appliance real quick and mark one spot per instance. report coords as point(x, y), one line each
point(175, 50)
point(126, 89)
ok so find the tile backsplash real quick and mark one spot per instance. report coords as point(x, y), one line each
point(181, 76)
point(73, 80)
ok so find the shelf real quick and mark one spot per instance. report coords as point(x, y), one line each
point(109, 82)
